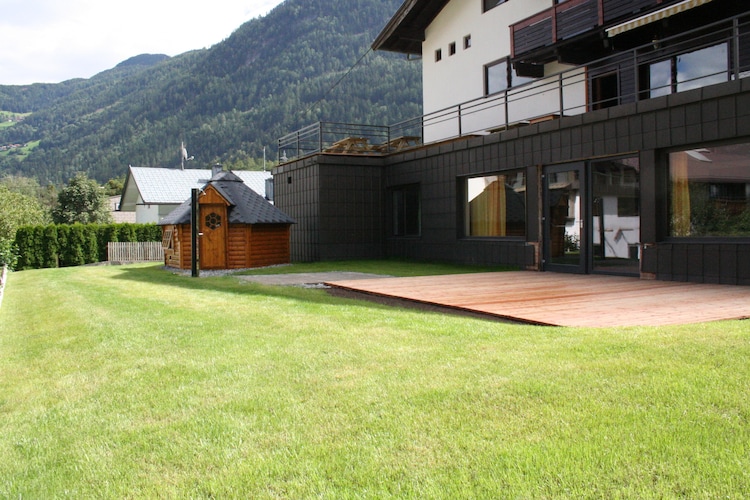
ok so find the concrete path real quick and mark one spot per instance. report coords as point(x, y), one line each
point(317, 280)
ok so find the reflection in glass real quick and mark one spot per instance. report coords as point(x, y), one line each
point(496, 205)
point(661, 78)
point(702, 67)
point(616, 215)
point(710, 192)
point(690, 70)
point(564, 202)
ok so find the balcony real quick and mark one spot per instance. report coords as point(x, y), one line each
point(534, 38)
point(572, 92)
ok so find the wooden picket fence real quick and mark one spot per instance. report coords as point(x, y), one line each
point(135, 251)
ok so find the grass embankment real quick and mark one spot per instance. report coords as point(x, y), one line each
point(134, 382)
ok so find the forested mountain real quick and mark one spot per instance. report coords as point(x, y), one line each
point(271, 76)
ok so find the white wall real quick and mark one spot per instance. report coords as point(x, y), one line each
point(145, 214)
point(459, 78)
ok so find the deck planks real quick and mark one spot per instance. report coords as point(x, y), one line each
point(567, 299)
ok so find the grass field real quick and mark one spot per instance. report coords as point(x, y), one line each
point(135, 382)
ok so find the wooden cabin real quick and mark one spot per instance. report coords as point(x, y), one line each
point(238, 228)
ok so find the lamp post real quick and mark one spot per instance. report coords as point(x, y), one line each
point(194, 233)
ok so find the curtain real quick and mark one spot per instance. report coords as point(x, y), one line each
point(488, 211)
point(678, 169)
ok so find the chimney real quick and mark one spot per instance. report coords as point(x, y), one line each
point(216, 169)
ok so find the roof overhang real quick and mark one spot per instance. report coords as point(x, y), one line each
point(655, 16)
point(405, 32)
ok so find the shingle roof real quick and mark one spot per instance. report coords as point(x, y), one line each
point(246, 206)
point(171, 186)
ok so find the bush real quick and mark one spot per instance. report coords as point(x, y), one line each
point(8, 253)
point(50, 246)
point(62, 245)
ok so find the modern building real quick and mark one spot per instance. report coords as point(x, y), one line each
point(152, 193)
point(585, 136)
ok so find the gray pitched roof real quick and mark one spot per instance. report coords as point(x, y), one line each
point(246, 206)
point(171, 186)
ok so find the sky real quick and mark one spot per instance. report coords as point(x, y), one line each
point(50, 41)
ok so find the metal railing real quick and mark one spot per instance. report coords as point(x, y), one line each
point(565, 93)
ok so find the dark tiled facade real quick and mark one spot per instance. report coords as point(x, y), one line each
point(342, 207)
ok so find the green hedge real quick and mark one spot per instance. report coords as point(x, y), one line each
point(63, 245)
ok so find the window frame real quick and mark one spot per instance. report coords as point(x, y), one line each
point(672, 233)
point(670, 64)
point(405, 218)
point(510, 81)
point(488, 5)
point(466, 199)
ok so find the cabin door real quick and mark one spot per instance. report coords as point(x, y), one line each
point(213, 239)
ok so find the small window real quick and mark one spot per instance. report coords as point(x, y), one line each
point(496, 77)
point(406, 211)
point(499, 76)
point(495, 205)
point(438, 55)
point(452, 49)
point(467, 42)
point(166, 240)
point(491, 4)
point(213, 221)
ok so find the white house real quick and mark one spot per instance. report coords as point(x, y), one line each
point(152, 193)
point(466, 61)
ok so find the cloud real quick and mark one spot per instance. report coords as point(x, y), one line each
point(52, 41)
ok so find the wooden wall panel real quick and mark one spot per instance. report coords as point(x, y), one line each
point(269, 245)
point(238, 250)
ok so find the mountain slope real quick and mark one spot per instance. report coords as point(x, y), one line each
point(228, 102)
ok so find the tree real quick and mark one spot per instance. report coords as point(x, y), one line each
point(83, 201)
point(16, 210)
point(46, 196)
point(114, 187)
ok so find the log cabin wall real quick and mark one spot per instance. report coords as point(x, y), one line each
point(269, 244)
point(258, 245)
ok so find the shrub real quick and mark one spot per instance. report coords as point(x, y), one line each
point(8, 253)
point(62, 245)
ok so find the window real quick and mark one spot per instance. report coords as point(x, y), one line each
point(438, 55)
point(496, 205)
point(498, 76)
point(452, 49)
point(615, 211)
point(709, 190)
point(491, 4)
point(467, 42)
point(166, 239)
point(688, 71)
point(406, 211)
point(213, 221)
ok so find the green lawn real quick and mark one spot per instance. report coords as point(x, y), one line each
point(132, 382)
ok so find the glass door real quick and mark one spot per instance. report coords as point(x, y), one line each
point(616, 216)
point(564, 218)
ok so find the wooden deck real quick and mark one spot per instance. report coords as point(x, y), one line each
point(567, 299)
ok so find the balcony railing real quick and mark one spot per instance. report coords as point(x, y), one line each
point(563, 94)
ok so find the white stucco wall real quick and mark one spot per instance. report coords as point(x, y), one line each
point(459, 78)
point(145, 214)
